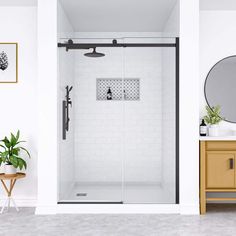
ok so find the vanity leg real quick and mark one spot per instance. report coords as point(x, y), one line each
point(202, 177)
point(203, 203)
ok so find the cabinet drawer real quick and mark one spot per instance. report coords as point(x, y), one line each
point(220, 170)
point(221, 145)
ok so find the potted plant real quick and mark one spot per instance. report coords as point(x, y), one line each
point(10, 154)
point(213, 119)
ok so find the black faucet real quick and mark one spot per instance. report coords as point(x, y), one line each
point(68, 99)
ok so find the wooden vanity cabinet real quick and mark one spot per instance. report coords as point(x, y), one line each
point(220, 172)
point(217, 170)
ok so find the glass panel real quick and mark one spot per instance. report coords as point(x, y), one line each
point(149, 127)
point(98, 130)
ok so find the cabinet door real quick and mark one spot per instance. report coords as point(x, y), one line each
point(220, 172)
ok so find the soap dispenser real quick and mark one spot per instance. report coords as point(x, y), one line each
point(203, 128)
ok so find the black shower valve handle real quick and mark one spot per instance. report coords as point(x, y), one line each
point(69, 101)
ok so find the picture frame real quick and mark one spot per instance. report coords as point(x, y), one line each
point(8, 62)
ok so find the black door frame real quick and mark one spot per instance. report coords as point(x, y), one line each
point(70, 45)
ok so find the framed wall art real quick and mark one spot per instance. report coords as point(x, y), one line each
point(8, 62)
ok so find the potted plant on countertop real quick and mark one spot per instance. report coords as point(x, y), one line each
point(10, 154)
point(213, 119)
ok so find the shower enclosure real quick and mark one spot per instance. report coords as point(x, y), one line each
point(122, 141)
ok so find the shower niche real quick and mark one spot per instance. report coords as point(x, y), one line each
point(127, 89)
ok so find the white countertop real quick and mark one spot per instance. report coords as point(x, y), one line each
point(218, 138)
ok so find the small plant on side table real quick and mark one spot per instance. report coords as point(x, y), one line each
point(10, 153)
point(213, 119)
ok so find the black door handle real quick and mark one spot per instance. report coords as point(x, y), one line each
point(231, 163)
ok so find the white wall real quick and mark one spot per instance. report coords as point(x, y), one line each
point(98, 124)
point(66, 68)
point(217, 41)
point(169, 120)
point(169, 101)
point(19, 101)
point(215, 46)
point(189, 106)
point(48, 106)
point(171, 27)
point(143, 119)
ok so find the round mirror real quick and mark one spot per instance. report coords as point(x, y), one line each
point(220, 88)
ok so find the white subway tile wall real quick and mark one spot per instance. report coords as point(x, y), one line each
point(106, 134)
point(168, 121)
point(98, 124)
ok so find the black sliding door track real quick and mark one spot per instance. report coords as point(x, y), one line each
point(89, 202)
point(70, 45)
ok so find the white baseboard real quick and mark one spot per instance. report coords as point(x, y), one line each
point(46, 210)
point(22, 202)
point(118, 209)
point(109, 209)
point(189, 210)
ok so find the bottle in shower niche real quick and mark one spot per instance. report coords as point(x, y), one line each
point(203, 128)
point(125, 97)
point(109, 94)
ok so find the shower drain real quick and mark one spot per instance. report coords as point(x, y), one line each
point(81, 194)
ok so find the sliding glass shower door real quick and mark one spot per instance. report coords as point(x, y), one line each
point(123, 121)
point(150, 126)
point(99, 127)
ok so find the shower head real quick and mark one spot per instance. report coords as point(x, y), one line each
point(94, 54)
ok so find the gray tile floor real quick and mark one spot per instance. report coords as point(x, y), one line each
point(220, 220)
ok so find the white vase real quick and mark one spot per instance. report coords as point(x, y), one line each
point(214, 130)
point(10, 170)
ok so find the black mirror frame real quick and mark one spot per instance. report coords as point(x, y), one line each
point(205, 95)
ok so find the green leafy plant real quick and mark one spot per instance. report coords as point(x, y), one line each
point(213, 115)
point(10, 154)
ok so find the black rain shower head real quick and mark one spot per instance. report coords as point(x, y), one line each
point(94, 54)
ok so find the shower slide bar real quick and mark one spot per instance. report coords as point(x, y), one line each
point(71, 45)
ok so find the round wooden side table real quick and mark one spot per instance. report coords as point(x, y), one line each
point(12, 179)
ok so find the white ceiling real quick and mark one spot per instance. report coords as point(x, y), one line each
point(227, 5)
point(118, 15)
point(18, 3)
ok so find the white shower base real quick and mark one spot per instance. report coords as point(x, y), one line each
point(112, 192)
